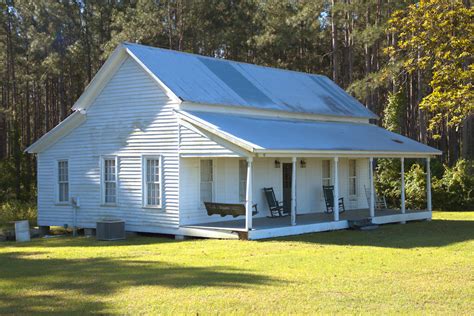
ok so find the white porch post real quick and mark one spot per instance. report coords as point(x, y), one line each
point(372, 190)
point(293, 192)
point(428, 185)
point(248, 197)
point(336, 189)
point(402, 176)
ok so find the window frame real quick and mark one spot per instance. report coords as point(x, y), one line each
point(102, 180)
point(58, 184)
point(352, 178)
point(213, 191)
point(145, 159)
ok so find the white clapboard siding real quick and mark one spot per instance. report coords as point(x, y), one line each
point(130, 117)
point(193, 142)
point(309, 193)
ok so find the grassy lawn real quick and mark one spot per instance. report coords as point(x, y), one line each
point(423, 268)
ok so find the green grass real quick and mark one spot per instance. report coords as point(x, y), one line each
point(422, 268)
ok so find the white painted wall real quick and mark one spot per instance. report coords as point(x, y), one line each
point(226, 186)
point(193, 142)
point(130, 117)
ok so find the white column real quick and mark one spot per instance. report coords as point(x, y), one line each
point(428, 185)
point(402, 176)
point(248, 196)
point(293, 192)
point(336, 189)
point(372, 189)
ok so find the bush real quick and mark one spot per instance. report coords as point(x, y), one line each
point(415, 187)
point(452, 187)
point(455, 190)
point(15, 210)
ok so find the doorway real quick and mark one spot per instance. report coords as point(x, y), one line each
point(287, 175)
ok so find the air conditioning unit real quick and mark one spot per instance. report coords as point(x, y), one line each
point(110, 230)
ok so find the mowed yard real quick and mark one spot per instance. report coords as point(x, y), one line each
point(422, 267)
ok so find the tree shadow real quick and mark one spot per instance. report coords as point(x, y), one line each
point(81, 241)
point(436, 233)
point(78, 285)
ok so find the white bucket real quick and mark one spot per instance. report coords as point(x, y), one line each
point(22, 231)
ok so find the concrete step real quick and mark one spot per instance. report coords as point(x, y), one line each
point(362, 224)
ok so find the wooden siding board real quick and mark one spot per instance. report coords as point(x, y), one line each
point(132, 116)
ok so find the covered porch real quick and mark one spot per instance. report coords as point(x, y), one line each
point(264, 227)
point(305, 159)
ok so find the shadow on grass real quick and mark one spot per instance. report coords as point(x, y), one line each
point(436, 233)
point(81, 241)
point(78, 286)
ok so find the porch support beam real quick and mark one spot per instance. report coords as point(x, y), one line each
point(293, 191)
point(428, 186)
point(336, 189)
point(402, 176)
point(372, 189)
point(248, 196)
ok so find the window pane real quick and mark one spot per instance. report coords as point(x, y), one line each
point(352, 186)
point(152, 182)
point(326, 169)
point(206, 191)
point(206, 170)
point(242, 180)
point(63, 185)
point(110, 192)
point(63, 192)
point(352, 168)
point(110, 181)
point(206, 180)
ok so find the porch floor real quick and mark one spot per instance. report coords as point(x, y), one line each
point(260, 223)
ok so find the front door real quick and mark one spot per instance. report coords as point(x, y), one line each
point(287, 175)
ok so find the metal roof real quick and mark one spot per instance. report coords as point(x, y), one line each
point(267, 134)
point(200, 79)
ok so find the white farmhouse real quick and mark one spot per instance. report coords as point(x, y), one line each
point(157, 133)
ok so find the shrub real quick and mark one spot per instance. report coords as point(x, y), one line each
point(415, 187)
point(455, 189)
point(452, 187)
point(15, 210)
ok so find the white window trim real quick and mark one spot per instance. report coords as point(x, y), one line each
point(144, 185)
point(201, 204)
point(56, 182)
point(102, 180)
point(352, 196)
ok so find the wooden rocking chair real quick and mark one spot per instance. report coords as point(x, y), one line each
point(380, 202)
point(328, 191)
point(276, 207)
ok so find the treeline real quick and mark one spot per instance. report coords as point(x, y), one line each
point(409, 63)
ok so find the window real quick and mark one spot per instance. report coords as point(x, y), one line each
point(63, 181)
point(109, 180)
point(242, 180)
point(152, 182)
point(207, 180)
point(326, 172)
point(352, 177)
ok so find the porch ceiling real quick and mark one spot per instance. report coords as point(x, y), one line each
point(273, 136)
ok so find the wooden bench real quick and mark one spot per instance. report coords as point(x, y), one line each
point(224, 209)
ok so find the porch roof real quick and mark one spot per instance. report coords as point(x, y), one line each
point(273, 135)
